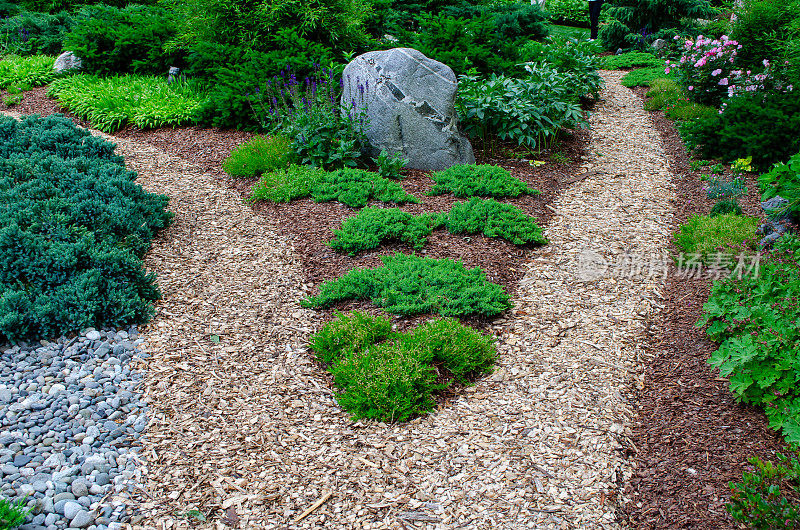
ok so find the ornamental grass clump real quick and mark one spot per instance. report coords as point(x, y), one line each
point(259, 155)
point(147, 102)
point(494, 219)
point(374, 226)
point(408, 285)
point(385, 375)
point(485, 180)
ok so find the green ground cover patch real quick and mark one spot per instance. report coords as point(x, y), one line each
point(704, 235)
point(408, 285)
point(390, 376)
point(469, 180)
point(36, 70)
point(631, 60)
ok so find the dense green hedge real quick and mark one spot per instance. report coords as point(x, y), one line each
point(73, 229)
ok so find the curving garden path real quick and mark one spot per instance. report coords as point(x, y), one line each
point(244, 425)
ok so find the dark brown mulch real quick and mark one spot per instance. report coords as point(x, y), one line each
point(692, 437)
point(308, 224)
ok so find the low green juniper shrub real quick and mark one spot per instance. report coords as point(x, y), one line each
point(573, 13)
point(754, 320)
point(757, 501)
point(286, 185)
point(408, 285)
point(462, 351)
point(385, 382)
point(74, 227)
point(391, 376)
point(259, 155)
point(355, 187)
point(349, 333)
point(705, 235)
point(373, 226)
point(469, 180)
point(494, 219)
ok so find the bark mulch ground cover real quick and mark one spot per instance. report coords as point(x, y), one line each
point(692, 437)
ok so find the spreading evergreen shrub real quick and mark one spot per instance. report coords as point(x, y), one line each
point(124, 40)
point(261, 154)
point(640, 22)
point(389, 376)
point(569, 12)
point(349, 333)
point(763, 126)
point(355, 187)
point(494, 219)
point(73, 229)
point(462, 351)
point(764, 29)
point(385, 382)
point(485, 180)
point(373, 226)
point(726, 207)
point(409, 285)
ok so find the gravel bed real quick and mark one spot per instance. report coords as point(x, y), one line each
point(70, 413)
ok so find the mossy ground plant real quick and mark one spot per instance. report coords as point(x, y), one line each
point(482, 180)
point(706, 235)
point(631, 60)
point(408, 285)
point(390, 376)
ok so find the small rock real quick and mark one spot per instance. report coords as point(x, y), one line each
point(71, 509)
point(82, 519)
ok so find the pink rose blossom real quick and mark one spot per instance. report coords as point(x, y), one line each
point(716, 72)
point(691, 87)
point(723, 82)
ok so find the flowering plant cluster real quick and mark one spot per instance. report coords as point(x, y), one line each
point(744, 82)
point(705, 68)
point(323, 132)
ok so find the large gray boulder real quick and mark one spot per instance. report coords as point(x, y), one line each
point(67, 61)
point(410, 102)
